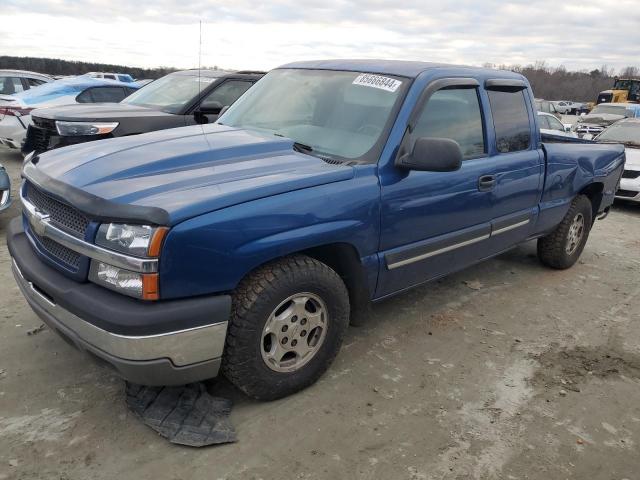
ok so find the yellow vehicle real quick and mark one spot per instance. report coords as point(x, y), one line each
point(624, 90)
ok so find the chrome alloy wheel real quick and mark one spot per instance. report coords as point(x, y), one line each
point(294, 332)
point(576, 232)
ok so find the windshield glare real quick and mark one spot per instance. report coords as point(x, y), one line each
point(615, 110)
point(336, 113)
point(169, 93)
point(622, 132)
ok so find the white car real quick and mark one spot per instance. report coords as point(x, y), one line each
point(121, 77)
point(627, 132)
point(15, 110)
point(563, 107)
point(551, 125)
point(16, 81)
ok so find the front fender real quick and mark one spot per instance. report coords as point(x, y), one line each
point(213, 252)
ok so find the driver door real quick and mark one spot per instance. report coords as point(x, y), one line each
point(437, 222)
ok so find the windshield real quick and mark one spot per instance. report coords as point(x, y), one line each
point(612, 109)
point(169, 93)
point(622, 133)
point(338, 114)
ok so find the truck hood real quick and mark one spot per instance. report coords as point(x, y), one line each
point(168, 176)
point(600, 118)
point(94, 112)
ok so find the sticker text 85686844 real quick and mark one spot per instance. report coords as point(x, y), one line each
point(377, 81)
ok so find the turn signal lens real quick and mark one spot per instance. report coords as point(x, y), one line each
point(133, 284)
point(156, 241)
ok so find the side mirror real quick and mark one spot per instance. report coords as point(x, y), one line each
point(210, 108)
point(432, 155)
point(567, 128)
point(582, 114)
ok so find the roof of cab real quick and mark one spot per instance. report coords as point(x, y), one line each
point(403, 68)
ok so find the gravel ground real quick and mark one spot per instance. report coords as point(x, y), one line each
point(505, 370)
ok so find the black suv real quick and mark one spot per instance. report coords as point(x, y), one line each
point(175, 100)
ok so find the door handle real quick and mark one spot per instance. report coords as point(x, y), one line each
point(486, 183)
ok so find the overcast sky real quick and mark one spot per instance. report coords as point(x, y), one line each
point(245, 34)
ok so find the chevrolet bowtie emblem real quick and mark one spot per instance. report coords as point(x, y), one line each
point(39, 222)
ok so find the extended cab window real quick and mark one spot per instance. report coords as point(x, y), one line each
point(510, 119)
point(455, 114)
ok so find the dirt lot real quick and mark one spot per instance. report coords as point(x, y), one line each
point(506, 370)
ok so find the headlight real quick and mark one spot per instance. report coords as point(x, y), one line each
point(74, 129)
point(133, 284)
point(137, 240)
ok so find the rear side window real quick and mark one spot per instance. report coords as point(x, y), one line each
point(227, 93)
point(102, 95)
point(543, 120)
point(510, 119)
point(33, 82)
point(10, 85)
point(454, 114)
point(554, 124)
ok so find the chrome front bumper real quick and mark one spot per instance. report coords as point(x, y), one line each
point(171, 358)
point(5, 199)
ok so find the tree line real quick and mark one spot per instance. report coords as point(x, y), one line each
point(57, 66)
point(558, 83)
point(551, 83)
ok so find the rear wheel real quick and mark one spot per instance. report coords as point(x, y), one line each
point(288, 322)
point(562, 247)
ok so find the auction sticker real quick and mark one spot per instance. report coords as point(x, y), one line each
point(377, 81)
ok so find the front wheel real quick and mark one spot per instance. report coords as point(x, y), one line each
point(562, 247)
point(287, 325)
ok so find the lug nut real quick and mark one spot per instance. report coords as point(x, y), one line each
point(285, 328)
point(285, 340)
point(303, 333)
point(294, 343)
point(294, 319)
point(303, 321)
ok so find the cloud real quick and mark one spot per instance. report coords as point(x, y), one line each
point(247, 34)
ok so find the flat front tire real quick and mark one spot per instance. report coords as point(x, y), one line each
point(288, 321)
point(562, 247)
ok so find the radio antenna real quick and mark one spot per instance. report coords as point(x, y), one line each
point(199, 61)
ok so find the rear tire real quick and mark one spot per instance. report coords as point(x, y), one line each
point(562, 247)
point(287, 324)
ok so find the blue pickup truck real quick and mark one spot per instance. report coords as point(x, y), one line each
point(247, 246)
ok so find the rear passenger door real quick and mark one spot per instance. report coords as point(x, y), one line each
point(516, 181)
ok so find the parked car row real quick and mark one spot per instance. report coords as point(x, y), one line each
point(246, 244)
point(603, 115)
point(15, 110)
point(176, 100)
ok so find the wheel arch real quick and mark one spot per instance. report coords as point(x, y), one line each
point(594, 192)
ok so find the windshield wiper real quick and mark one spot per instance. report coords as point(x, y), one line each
point(297, 146)
point(302, 148)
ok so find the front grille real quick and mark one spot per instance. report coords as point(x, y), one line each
point(40, 133)
point(61, 214)
point(38, 139)
point(589, 129)
point(630, 174)
point(626, 193)
point(44, 123)
point(60, 252)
